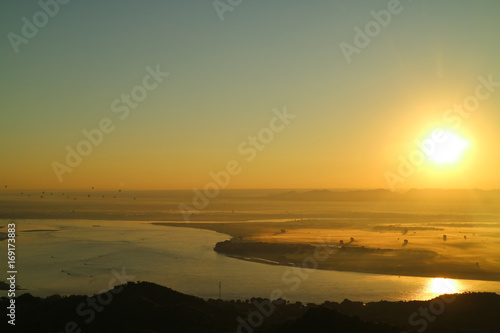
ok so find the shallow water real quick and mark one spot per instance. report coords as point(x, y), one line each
point(80, 257)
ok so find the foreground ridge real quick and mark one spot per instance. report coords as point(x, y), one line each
point(148, 307)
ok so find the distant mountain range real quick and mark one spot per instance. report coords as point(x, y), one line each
point(472, 195)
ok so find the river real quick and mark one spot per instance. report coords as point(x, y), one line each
point(87, 257)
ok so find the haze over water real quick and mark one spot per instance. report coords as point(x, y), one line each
point(76, 258)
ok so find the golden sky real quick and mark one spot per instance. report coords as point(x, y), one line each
point(104, 66)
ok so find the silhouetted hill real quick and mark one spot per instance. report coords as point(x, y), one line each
point(147, 307)
point(469, 312)
point(472, 195)
point(324, 320)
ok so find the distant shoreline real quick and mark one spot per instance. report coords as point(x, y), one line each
point(350, 259)
point(304, 212)
point(364, 271)
point(347, 259)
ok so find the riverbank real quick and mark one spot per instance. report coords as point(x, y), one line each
point(401, 250)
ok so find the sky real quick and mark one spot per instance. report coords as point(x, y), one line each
point(326, 106)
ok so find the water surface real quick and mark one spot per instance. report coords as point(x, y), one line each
point(79, 256)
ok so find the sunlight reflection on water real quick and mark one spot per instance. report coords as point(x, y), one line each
point(440, 286)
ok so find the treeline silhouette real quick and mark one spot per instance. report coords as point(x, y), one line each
point(147, 307)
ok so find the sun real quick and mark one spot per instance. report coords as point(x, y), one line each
point(448, 147)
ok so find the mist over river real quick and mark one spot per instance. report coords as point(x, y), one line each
point(86, 257)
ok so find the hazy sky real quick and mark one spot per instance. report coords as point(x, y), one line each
point(352, 120)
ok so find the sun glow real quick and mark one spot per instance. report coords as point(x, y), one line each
point(442, 286)
point(448, 148)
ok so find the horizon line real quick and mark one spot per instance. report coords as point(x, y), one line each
point(248, 189)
